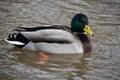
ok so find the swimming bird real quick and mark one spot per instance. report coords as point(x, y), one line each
point(55, 39)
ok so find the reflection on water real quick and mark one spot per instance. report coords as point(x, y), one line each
point(101, 64)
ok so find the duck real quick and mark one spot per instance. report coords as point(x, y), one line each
point(55, 39)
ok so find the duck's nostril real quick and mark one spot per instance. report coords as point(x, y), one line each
point(93, 35)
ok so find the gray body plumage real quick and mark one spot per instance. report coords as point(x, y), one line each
point(51, 40)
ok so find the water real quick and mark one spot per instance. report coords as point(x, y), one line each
point(103, 63)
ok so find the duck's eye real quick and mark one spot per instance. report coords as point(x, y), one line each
point(81, 21)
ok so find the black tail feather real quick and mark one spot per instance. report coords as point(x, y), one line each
point(12, 37)
point(18, 37)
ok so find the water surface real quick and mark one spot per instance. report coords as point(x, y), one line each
point(103, 63)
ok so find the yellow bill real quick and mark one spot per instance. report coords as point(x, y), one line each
point(88, 30)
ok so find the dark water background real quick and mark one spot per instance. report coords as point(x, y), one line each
point(103, 63)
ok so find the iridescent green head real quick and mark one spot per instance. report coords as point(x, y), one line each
point(80, 24)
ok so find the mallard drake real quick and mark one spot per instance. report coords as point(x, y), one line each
point(55, 39)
